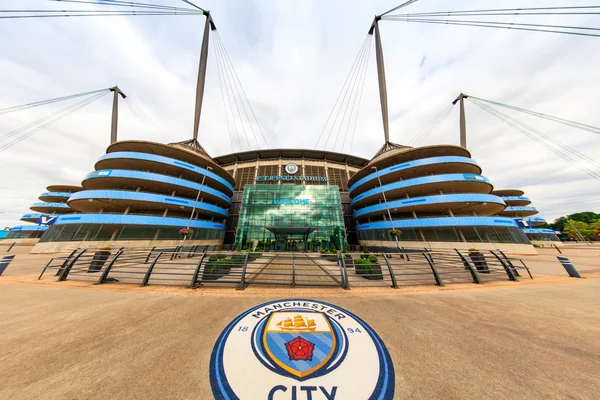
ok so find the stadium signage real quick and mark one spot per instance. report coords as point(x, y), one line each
point(291, 178)
point(292, 201)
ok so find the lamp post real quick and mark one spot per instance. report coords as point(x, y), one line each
point(194, 207)
point(386, 206)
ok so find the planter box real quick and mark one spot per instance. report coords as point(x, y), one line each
point(98, 261)
point(479, 262)
point(213, 276)
point(374, 274)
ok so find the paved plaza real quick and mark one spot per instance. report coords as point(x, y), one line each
point(502, 340)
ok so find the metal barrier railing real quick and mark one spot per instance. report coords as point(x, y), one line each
point(196, 267)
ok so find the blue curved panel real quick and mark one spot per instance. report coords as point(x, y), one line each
point(118, 219)
point(147, 197)
point(537, 219)
point(165, 160)
point(534, 230)
point(440, 222)
point(524, 208)
point(55, 194)
point(515, 198)
point(420, 181)
point(413, 164)
point(150, 176)
point(437, 199)
point(29, 228)
point(50, 205)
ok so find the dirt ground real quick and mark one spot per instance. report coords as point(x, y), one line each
point(507, 340)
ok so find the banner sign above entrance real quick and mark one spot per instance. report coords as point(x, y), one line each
point(291, 178)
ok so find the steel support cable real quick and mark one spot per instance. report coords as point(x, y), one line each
point(585, 127)
point(354, 74)
point(337, 105)
point(145, 116)
point(218, 64)
point(237, 98)
point(242, 92)
point(533, 137)
point(340, 94)
point(351, 99)
point(233, 100)
point(497, 10)
point(431, 124)
point(408, 3)
point(117, 3)
point(49, 101)
point(450, 22)
point(452, 15)
point(549, 138)
point(39, 121)
point(229, 99)
point(362, 86)
point(510, 24)
point(359, 91)
point(50, 122)
point(98, 14)
point(139, 116)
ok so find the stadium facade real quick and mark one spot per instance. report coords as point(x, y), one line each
point(142, 194)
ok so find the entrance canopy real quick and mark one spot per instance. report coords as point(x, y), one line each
point(292, 230)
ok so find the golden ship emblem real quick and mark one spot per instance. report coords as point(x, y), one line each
point(298, 324)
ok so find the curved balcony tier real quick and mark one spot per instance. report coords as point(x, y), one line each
point(518, 212)
point(136, 161)
point(22, 228)
point(417, 168)
point(34, 217)
point(404, 154)
point(151, 182)
point(53, 208)
point(508, 192)
point(427, 185)
point(539, 231)
point(64, 188)
point(460, 204)
point(516, 200)
point(536, 221)
point(440, 222)
point(119, 219)
point(55, 197)
point(90, 201)
point(173, 150)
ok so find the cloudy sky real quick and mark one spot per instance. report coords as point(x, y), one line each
point(292, 58)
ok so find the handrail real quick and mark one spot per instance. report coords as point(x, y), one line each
point(512, 267)
point(150, 268)
point(438, 280)
point(197, 271)
point(394, 283)
point(468, 266)
point(149, 254)
point(509, 270)
point(294, 269)
point(242, 285)
point(67, 269)
point(344, 272)
point(104, 275)
point(44, 270)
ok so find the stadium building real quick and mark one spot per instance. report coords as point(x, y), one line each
point(142, 194)
point(518, 207)
point(52, 205)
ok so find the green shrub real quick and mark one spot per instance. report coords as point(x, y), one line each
point(238, 247)
point(346, 249)
point(372, 258)
point(365, 256)
point(333, 247)
point(364, 265)
point(473, 250)
point(365, 249)
point(238, 258)
point(536, 245)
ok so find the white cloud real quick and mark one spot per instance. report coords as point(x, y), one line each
point(292, 58)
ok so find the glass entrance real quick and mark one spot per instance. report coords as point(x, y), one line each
point(291, 218)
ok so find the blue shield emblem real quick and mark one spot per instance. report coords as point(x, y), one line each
point(300, 343)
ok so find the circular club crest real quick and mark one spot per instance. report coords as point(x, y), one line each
point(291, 168)
point(300, 349)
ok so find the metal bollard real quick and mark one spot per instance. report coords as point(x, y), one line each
point(568, 267)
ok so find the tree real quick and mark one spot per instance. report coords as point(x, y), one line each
point(578, 230)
